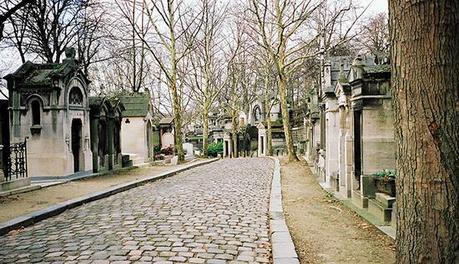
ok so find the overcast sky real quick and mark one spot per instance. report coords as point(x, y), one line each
point(376, 6)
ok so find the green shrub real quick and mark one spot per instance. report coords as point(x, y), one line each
point(157, 149)
point(214, 149)
point(385, 173)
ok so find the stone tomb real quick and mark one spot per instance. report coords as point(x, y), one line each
point(106, 118)
point(167, 132)
point(49, 106)
point(138, 132)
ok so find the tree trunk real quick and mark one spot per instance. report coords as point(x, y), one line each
point(285, 117)
point(234, 135)
point(177, 121)
point(269, 136)
point(205, 131)
point(176, 100)
point(425, 79)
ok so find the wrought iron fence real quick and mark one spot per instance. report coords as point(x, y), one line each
point(16, 161)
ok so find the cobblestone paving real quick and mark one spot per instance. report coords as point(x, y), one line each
point(217, 213)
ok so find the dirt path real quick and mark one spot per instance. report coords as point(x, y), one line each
point(324, 230)
point(24, 203)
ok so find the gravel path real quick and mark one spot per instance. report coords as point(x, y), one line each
point(324, 230)
point(217, 213)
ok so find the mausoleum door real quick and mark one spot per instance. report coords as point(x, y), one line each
point(226, 148)
point(76, 143)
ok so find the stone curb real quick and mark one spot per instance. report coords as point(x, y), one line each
point(283, 249)
point(54, 210)
point(25, 189)
point(62, 180)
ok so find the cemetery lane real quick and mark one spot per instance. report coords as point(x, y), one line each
point(216, 213)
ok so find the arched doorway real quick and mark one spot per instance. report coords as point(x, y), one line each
point(76, 144)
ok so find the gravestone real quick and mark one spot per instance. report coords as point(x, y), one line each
point(174, 160)
point(188, 148)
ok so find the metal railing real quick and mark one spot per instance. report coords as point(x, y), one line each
point(16, 161)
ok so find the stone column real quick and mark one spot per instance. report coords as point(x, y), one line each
point(260, 151)
point(110, 137)
point(2, 176)
point(94, 130)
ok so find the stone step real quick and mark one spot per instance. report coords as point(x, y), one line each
point(359, 200)
point(380, 211)
point(385, 199)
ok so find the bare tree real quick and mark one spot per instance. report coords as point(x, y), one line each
point(207, 63)
point(45, 28)
point(270, 98)
point(15, 33)
point(91, 34)
point(174, 28)
point(281, 26)
point(373, 37)
point(231, 100)
point(52, 27)
point(133, 47)
point(8, 9)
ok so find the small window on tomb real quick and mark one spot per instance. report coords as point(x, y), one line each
point(35, 105)
point(75, 97)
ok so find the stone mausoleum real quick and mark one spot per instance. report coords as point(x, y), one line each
point(138, 136)
point(49, 105)
point(106, 116)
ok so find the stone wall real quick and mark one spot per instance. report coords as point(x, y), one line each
point(378, 150)
point(134, 138)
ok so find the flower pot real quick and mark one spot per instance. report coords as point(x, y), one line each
point(385, 185)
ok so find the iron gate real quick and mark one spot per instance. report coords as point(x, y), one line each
point(16, 161)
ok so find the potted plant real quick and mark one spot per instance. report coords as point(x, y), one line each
point(385, 182)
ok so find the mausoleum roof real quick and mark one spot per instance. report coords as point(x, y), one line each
point(384, 68)
point(33, 74)
point(166, 121)
point(136, 105)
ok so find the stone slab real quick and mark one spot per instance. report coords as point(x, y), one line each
point(11, 185)
point(281, 237)
point(286, 261)
point(385, 199)
point(284, 250)
point(359, 200)
point(379, 210)
point(174, 160)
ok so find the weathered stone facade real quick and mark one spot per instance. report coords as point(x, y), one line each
point(49, 106)
point(167, 132)
point(106, 130)
point(4, 136)
point(137, 128)
point(350, 130)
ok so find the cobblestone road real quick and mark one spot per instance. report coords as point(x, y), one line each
point(217, 213)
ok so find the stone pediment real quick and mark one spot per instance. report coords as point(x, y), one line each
point(261, 126)
point(342, 91)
